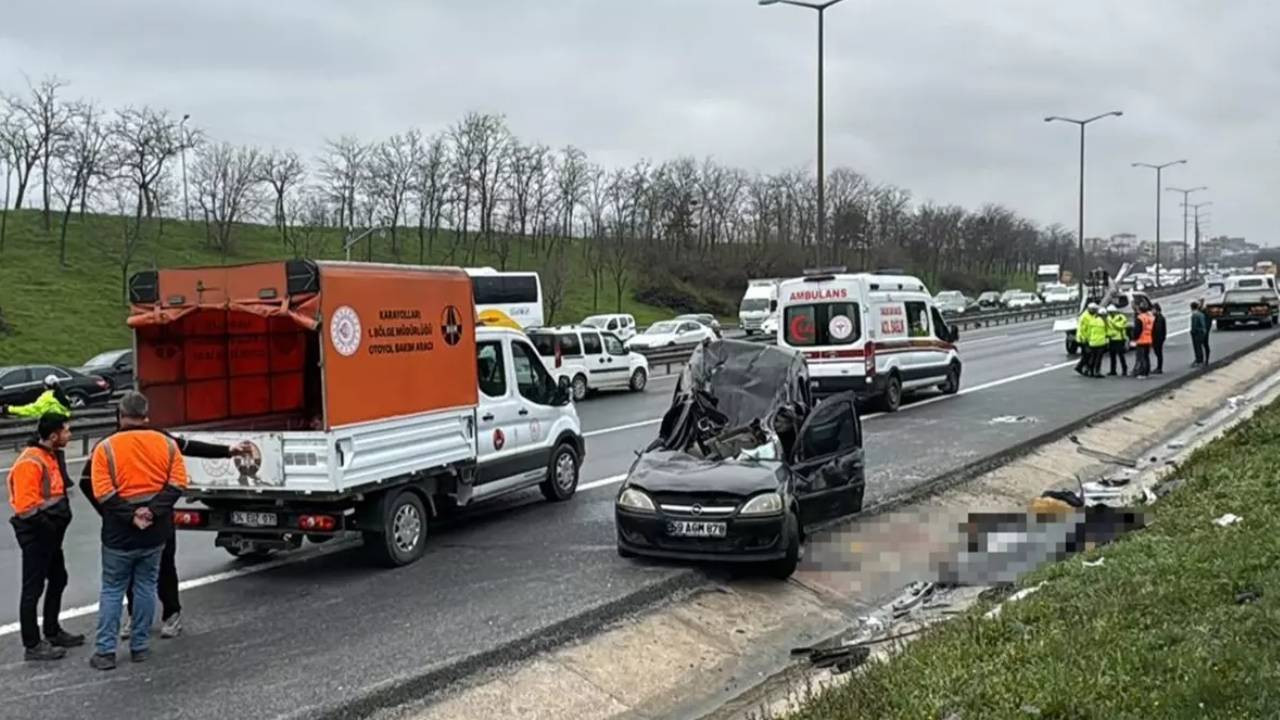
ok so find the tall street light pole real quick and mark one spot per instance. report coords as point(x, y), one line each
point(1159, 169)
point(182, 138)
point(821, 7)
point(1186, 195)
point(1082, 124)
point(1196, 207)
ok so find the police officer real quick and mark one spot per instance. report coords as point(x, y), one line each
point(1117, 339)
point(52, 400)
point(1082, 340)
point(38, 485)
point(138, 475)
point(1096, 337)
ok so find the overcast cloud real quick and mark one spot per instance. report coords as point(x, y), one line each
point(944, 98)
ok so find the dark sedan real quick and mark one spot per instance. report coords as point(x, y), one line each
point(742, 466)
point(116, 366)
point(22, 384)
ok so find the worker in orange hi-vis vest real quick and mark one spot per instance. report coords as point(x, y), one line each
point(38, 486)
point(137, 477)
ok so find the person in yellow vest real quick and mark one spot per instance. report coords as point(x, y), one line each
point(41, 513)
point(138, 476)
point(1117, 339)
point(1082, 334)
point(52, 400)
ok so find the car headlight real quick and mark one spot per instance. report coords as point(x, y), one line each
point(636, 500)
point(766, 504)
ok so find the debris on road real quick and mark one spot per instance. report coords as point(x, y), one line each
point(1228, 519)
point(1012, 419)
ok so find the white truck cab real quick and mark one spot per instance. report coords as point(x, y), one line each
point(759, 302)
point(590, 360)
point(878, 335)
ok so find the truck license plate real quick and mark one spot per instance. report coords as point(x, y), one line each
point(696, 529)
point(253, 519)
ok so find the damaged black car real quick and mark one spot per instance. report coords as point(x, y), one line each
point(743, 463)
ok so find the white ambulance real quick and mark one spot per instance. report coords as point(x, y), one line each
point(878, 335)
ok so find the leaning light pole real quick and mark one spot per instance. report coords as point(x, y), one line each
point(1186, 199)
point(821, 7)
point(1082, 124)
point(182, 139)
point(1199, 218)
point(1159, 169)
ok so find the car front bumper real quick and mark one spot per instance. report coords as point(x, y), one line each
point(747, 539)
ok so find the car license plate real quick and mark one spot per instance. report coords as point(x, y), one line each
point(253, 519)
point(696, 529)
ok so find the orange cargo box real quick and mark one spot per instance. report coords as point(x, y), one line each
point(311, 344)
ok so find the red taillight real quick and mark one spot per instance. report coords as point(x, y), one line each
point(188, 518)
point(103, 384)
point(870, 355)
point(322, 523)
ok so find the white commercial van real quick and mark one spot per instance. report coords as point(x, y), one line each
point(758, 303)
point(878, 335)
point(590, 360)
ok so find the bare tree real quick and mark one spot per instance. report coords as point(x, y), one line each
point(343, 167)
point(85, 153)
point(48, 119)
point(143, 142)
point(120, 239)
point(626, 193)
point(555, 281)
point(284, 172)
point(19, 141)
point(595, 250)
point(492, 143)
point(571, 182)
point(466, 139)
point(391, 175)
point(309, 217)
point(431, 179)
point(225, 179)
point(528, 163)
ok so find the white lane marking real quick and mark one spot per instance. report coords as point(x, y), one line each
point(592, 485)
point(620, 428)
point(1054, 341)
point(979, 341)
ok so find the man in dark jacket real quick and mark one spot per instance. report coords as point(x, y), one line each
point(1159, 333)
point(1199, 334)
point(171, 606)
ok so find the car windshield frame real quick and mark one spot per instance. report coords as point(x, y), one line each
point(662, 327)
point(757, 304)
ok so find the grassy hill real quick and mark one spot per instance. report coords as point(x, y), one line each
point(67, 314)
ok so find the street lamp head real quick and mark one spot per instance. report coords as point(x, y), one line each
point(1116, 113)
point(186, 117)
point(767, 2)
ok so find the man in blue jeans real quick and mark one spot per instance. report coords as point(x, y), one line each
point(137, 477)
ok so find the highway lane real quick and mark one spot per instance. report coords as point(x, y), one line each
point(259, 644)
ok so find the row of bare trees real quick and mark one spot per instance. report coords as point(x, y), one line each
point(476, 192)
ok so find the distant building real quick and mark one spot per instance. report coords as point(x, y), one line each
point(1124, 244)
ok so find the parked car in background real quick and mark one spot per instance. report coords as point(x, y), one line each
point(989, 300)
point(704, 318)
point(116, 366)
point(589, 359)
point(1007, 294)
point(1059, 294)
point(671, 333)
point(1020, 300)
point(621, 325)
point(22, 384)
point(951, 302)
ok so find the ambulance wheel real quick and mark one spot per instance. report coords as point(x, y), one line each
point(580, 388)
point(402, 538)
point(639, 379)
point(891, 399)
point(952, 385)
point(562, 474)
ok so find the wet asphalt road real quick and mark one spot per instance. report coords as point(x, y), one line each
point(318, 628)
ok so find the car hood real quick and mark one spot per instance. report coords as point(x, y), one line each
point(669, 471)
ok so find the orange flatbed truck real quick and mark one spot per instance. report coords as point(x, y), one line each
point(371, 397)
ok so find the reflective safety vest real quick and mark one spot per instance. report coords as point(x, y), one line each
point(1096, 335)
point(1117, 327)
point(1148, 325)
point(35, 482)
point(43, 405)
point(1082, 328)
point(136, 465)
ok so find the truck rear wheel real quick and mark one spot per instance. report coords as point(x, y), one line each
point(562, 474)
point(402, 538)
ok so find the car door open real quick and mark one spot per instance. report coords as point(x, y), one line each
point(830, 465)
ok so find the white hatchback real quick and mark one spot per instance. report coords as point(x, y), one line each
point(590, 359)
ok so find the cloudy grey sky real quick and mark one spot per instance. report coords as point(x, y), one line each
point(942, 97)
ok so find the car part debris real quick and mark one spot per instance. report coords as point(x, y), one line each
point(1248, 596)
point(913, 595)
point(994, 612)
point(1095, 563)
point(1228, 519)
point(1012, 419)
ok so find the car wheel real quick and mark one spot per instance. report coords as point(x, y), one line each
point(562, 474)
point(77, 398)
point(639, 379)
point(786, 567)
point(1072, 346)
point(952, 385)
point(580, 388)
point(891, 400)
point(402, 538)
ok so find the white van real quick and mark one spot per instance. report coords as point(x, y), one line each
point(621, 325)
point(590, 360)
point(877, 335)
point(758, 303)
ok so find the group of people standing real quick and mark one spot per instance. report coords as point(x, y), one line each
point(1107, 332)
point(133, 479)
